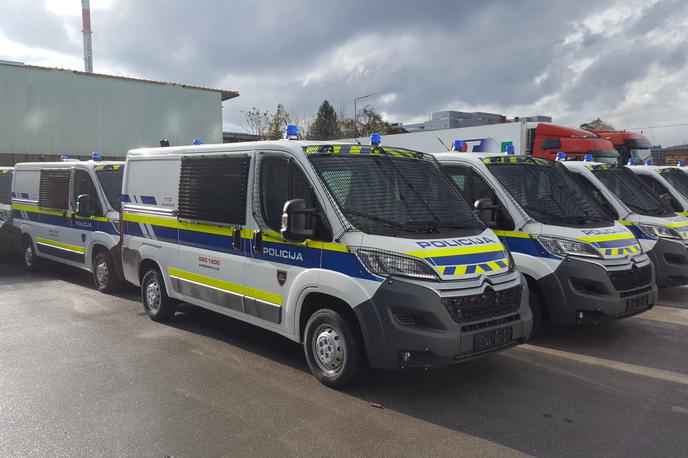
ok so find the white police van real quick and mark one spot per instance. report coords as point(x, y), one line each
point(7, 234)
point(662, 233)
point(581, 265)
point(669, 182)
point(69, 212)
point(359, 252)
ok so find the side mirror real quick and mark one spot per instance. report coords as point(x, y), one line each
point(85, 206)
point(487, 211)
point(298, 222)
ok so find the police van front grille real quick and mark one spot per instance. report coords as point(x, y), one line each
point(491, 303)
point(631, 278)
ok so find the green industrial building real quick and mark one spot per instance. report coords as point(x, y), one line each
point(47, 112)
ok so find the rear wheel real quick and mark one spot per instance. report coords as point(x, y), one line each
point(332, 348)
point(104, 273)
point(157, 304)
point(31, 260)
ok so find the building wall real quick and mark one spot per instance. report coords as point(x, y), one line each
point(53, 112)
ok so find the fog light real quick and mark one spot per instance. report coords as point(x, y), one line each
point(580, 315)
point(406, 356)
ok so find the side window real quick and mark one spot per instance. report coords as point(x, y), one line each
point(83, 184)
point(281, 180)
point(213, 189)
point(477, 188)
point(670, 203)
point(5, 188)
point(458, 176)
point(53, 189)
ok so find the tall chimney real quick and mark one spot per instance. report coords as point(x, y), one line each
point(88, 50)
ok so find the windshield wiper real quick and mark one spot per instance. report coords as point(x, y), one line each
point(388, 222)
point(542, 212)
point(419, 226)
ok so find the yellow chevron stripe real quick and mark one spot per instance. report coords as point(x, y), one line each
point(679, 224)
point(61, 245)
point(516, 234)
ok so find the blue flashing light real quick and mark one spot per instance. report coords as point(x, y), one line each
point(587, 158)
point(561, 156)
point(510, 149)
point(64, 157)
point(375, 139)
point(632, 161)
point(96, 156)
point(458, 145)
point(292, 132)
point(197, 141)
point(681, 162)
point(649, 162)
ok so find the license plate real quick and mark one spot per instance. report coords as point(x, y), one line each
point(493, 338)
point(636, 304)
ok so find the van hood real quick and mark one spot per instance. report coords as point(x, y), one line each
point(612, 242)
point(453, 258)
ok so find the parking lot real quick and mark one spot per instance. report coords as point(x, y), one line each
point(83, 373)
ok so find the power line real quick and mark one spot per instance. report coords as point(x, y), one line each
point(658, 127)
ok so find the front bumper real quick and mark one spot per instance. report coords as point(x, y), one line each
point(408, 325)
point(670, 258)
point(586, 292)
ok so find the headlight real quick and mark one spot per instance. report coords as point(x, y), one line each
point(660, 231)
point(563, 247)
point(385, 264)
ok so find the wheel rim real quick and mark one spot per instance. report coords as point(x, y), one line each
point(153, 296)
point(102, 273)
point(329, 349)
point(28, 255)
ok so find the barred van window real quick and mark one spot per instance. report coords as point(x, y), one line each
point(53, 191)
point(5, 188)
point(213, 189)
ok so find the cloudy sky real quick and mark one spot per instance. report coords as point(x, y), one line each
point(623, 61)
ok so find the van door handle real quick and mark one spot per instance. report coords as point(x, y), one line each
point(236, 239)
point(257, 242)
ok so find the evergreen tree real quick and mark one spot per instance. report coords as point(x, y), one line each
point(325, 126)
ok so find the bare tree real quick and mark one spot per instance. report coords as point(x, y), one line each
point(257, 122)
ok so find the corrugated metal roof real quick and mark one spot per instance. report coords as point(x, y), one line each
point(226, 94)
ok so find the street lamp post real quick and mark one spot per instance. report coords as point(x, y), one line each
point(356, 108)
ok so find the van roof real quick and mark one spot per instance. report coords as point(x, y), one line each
point(53, 165)
point(296, 146)
point(472, 157)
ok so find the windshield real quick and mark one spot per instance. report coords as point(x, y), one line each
point(548, 193)
point(605, 156)
point(641, 154)
point(111, 182)
point(5, 188)
point(390, 195)
point(677, 179)
point(631, 191)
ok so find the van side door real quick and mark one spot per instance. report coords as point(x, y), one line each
point(273, 263)
point(52, 236)
point(213, 191)
point(84, 224)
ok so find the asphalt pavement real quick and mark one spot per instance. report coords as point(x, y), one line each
point(82, 373)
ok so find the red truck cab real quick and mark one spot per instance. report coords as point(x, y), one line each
point(628, 144)
point(548, 139)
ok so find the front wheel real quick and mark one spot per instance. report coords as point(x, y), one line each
point(535, 307)
point(157, 304)
point(31, 260)
point(104, 273)
point(332, 348)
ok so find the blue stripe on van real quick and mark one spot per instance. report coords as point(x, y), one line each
point(527, 246)
point(148, 200)
point(462, 259)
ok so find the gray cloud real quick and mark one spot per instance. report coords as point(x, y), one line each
point(570, 59)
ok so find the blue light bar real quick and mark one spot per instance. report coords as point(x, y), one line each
point(632, 161)
point(510, 149)
point(561, 156)
point(681, 162)
point(649, 162)
point(375, 139)
point(96, 156)
point(64, 157)
point(587, 158)
point(292, 132)
point(197, 141)
point(458, 145)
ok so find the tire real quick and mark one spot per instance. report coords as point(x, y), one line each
point(32, 263)
point(104, 274)
point(157, 304)
point(536, 308)
point(332, 348)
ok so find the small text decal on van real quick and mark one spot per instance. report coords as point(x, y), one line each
point(456, 242)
